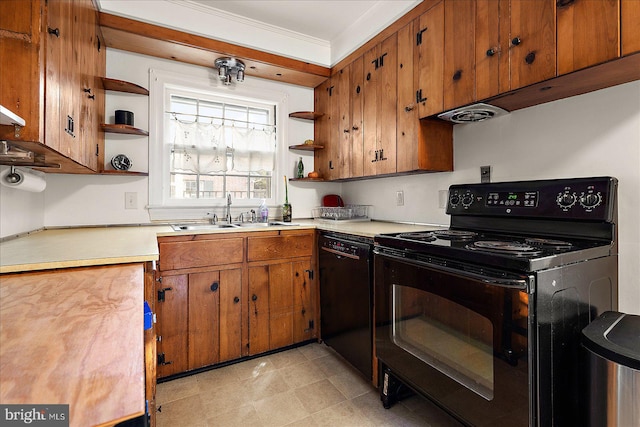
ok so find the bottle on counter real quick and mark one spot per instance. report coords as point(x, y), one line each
point(300, 173)
point(264, 211)
point(286, 208)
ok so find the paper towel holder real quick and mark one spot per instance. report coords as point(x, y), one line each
point(13, 177)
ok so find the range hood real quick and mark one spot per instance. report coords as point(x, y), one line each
point(472, 113)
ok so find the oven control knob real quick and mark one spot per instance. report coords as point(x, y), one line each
point(591, 200)
point(454, 200)
point(566, 200)
point(467, 199)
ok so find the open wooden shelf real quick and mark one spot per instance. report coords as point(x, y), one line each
point(130, 130)
point(307, 179)
point(306, 147)
point(122, 86)
point(307, 115)
point(130, 173)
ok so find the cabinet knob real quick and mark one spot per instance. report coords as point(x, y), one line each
point(355, 127)
point(236, 300)
point(409, 108)
point(54, 31)
point(254, 297)
point(491, 52)
point(368, 76)
point(531, 56)
point(346, 130)
point(516, 41)
point(214, 286)
point(358, 89)
point(457, 75)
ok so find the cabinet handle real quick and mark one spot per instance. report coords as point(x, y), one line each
point(214, 286)
point(346, 130)
point(355, 127)
point(409, 108)
point(86, 90)
point(516, 41)
point(54, 31)
point(531, 56)
point(419, 36)
point(254, 297)
point(236, 300)
point(368, 76)
point(358, 89)
point(491, 52)
point(457, 75)
point(91, 97)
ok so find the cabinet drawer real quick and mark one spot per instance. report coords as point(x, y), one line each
point(278, 247)
point(201, 253)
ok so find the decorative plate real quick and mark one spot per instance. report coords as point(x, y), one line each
point(121, 162)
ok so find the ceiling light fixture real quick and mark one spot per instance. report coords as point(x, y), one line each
point(228, 67)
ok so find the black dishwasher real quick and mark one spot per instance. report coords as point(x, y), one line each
point(346, 297)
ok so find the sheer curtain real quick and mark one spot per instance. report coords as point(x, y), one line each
point(209, 148)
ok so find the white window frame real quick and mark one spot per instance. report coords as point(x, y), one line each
point(161, 205)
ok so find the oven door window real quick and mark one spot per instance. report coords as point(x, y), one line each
point(450, 337)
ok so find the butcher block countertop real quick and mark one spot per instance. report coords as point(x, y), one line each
point(75, 337)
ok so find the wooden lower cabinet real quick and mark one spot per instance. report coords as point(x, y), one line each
point(210, 312)
point(280, 305)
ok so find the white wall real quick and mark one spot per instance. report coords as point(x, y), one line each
point(589, 135)
point(81, 200)
point(20, 211)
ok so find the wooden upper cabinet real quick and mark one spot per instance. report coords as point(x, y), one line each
point(379, 111)
point(430, 61)
point(59, 62)
point(629, 17)
point(588, 33)
point(459, 53)
point(531, 43)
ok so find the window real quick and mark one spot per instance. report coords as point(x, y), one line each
point(220, 147)
point(212, 141)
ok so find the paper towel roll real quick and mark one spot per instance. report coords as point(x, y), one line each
point(21, 180)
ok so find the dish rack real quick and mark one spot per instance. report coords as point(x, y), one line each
point(341, 213)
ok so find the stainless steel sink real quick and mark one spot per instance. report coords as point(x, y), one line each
point(196, 227)
point(200, 227)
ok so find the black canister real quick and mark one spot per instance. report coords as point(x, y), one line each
point(124, 117)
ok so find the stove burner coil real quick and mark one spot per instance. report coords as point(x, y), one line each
point(422, 237)
point(548, 243)
point(511, 248)
point(455, 234)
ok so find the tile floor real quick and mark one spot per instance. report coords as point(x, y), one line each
point(305, 386)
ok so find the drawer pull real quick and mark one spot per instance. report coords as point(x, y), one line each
point(214, 286)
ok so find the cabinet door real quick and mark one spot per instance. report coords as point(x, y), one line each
point(379, 112)
point(588, 33)
point(487, 45)
point(407, 109)
point(20, 50)
point(258, 309)
point(230, 314)
point(629, 17)
point(304, 319)
point(430, 36)
point(532, 49)
point(173, 331)
point(459, 53)
point(357, 104)
point(280, 305)
point(342, 97)
point(204, 309)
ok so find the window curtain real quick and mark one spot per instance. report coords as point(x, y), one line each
point(204, 148)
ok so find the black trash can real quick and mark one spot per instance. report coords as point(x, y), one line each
point(613, 344)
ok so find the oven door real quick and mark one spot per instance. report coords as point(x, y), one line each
point(457, 334)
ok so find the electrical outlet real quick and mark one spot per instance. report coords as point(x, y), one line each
point(485, 173)
point(131, 200)
point(399, 198)
point(442, 198)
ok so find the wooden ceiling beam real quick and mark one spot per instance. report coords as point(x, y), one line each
point(153, 40)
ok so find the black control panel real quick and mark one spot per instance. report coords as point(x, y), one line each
point(578, 198)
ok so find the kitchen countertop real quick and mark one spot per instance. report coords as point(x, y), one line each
point(90, 246)
point(74, 337)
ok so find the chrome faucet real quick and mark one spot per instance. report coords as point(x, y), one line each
point(228, 215)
